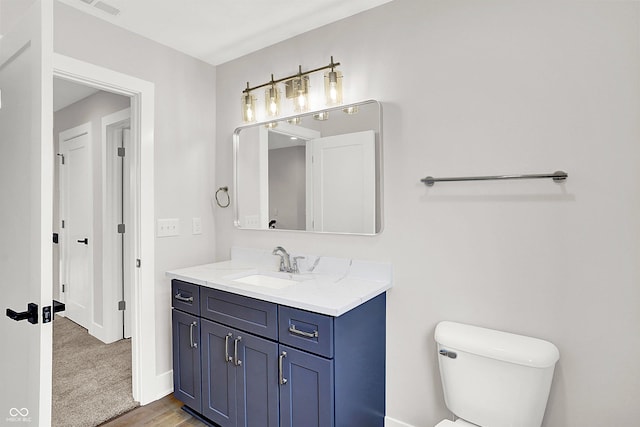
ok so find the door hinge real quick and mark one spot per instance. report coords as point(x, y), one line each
point(122, 305)
point(61, 157)
point(121, 151)
point(120, 228)
point(138, 263)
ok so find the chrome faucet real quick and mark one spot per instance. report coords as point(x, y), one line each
point(285, 261)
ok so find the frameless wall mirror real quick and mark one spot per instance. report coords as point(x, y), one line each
point(319, 171)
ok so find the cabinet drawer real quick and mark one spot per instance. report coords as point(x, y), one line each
point(247, 314)
point(185, 296)
point(308, 331)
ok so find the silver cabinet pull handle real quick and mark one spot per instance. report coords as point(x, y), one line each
point(293, 330)
point(226, 348)
point(192, 342)
point(235, 350)
point(179, 297)
point(283, 380)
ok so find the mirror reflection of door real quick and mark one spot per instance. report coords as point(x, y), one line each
point(341, 184)
point(324, 184)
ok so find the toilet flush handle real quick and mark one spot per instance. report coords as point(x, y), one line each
point(449, 354)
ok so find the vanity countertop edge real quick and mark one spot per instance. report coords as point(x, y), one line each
point(329, 294)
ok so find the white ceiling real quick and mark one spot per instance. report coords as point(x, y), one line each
point(217, 31)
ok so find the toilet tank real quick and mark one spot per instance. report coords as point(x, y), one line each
point(493, 378)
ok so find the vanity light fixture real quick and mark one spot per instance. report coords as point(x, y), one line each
point(297, 89)
point(294, 120)
point(272, 100)
point(248, 106)
point(333, 86)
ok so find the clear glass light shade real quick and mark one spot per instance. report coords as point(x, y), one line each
point(301, 94)
point(333, 87)
point(351, 110)
point(248, 103)
point(322, 116)
point(272, 101)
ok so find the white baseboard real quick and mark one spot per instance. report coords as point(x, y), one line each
point(164, 384)
point(390, 422)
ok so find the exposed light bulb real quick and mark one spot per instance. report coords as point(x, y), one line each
point(333, 92)
point(333, 87)
point(272, 100)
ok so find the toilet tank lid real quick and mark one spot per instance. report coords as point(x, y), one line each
point(498, 345)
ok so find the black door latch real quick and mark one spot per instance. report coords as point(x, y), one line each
point(31, 314)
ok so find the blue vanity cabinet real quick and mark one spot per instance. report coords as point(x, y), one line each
point(185, 321)
point(239, 360)
point(239, 377)
point(261, 364)
point(333, 367)
point(306, 389)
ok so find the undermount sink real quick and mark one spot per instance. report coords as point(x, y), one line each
point(268, 279)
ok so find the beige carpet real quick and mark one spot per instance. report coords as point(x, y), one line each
point(91, 380)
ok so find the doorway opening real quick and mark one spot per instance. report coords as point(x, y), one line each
point(146, 385)
point(91, 358)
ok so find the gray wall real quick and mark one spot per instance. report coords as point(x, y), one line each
point(477, 88)
point(91, 109)
point(185, 115)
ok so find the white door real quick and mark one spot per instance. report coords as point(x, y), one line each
point(76, 213)
point(342, 183)
point(26, 192)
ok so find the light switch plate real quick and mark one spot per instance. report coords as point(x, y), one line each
point(196, 226)
point(168, 227)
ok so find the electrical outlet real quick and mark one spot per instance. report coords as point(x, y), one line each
point(196, 226)
point(168, 227)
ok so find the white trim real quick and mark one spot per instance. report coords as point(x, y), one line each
point(390, 422)
point(142, 95)
point(165, 384)
point(66, 135)
point(110, 241)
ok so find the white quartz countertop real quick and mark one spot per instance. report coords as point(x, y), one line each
point(333, 289)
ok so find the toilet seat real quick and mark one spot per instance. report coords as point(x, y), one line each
point(458, 423)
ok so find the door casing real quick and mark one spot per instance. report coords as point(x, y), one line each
point(146, 384)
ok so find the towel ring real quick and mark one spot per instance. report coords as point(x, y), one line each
point(226, 191)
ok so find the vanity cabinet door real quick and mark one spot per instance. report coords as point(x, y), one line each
point(257, 381)
point(186, 359)
point(306, 389)
point(218, 375)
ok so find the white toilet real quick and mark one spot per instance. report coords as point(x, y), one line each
point(492, 378)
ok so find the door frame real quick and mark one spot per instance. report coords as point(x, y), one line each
point(76, 131)
point(146, 387)
point(111, 245)
point(285, 129)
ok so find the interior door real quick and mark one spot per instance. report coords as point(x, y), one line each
point(77, 239)
point(26, 176)
point(341, 194)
